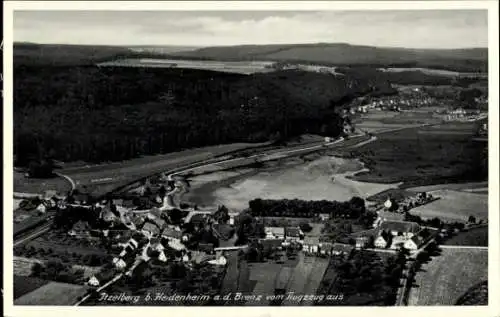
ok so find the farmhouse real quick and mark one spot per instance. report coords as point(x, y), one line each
point(400, 228)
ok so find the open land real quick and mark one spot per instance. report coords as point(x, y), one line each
point(39, 186)
point(454, 206)
point(53, 293)
point(424, 158)
point(446, 277)
point(471, 237)
point(321, 178)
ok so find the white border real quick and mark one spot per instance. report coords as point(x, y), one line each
point(494, 263)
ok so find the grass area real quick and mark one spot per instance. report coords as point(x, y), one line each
point(472, 237)
point(25, 284)
point(105, 177)
point(306, 278)
point(454, 206)
point(446, 277)
point(476, 295)
point(53, 293)
point(439, 155)
point(39, 186)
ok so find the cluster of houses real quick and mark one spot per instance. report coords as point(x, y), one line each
point(460, 114)
point(393, 103)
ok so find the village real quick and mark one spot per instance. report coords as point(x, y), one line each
point(150, 226)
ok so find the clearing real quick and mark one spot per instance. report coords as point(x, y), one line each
point(446, 277)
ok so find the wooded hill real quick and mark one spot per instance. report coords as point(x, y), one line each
point(112, 113)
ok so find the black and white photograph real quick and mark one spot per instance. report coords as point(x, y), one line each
point(239, 157)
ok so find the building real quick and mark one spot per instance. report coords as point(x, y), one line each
point(414, 242)
point(324, 217)
point(362, 242)
point(271, 244)
point(275, 232)
point(341, 249)
point(294, 234)
point(400, 228)
point(206, 247)
point(381, 242)
point(390, 216)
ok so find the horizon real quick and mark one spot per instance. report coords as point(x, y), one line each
point(410, 29)
point(242, 45)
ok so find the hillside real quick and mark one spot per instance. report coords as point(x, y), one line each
point(64, 55)
point(113, 113)
point(474, 59)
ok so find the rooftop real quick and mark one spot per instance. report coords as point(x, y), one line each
point(400, 226)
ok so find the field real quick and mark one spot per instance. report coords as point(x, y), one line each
point(105, 177)
point(454, 206)
point(24, 285)
point(472, 237)
point(321, 178)
point(306, 278)
point(53, 293)
point(446, 277)
point(424, 158)
point(39, 186)
point(246, 67)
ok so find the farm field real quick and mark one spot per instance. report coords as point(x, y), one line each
point(424, 159)
point(53, 293)
point(39, 186)
point(472, 237)
point(101, 178)
point(243, 67)
point(306, 278)
point(454, 206)
point(447, 276)
point(24, 285)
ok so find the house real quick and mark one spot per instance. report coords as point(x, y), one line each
point(362, 242)
point(401, 228)
point(206, 247)
point(324, 216)
point(381, 242)
point(172, 234)
point(93, 281)
point(414, 242)
point(294, 234)
point(310, 244)
point(325, 248)
point(275, 232)
point(150, 229)
point(220, 261)
point(341, 249)
point(271, 244)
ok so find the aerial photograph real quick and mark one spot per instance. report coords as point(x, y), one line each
point(250, 158)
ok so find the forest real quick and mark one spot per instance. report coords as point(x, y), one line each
point(99, 114)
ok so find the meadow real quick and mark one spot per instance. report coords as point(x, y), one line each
point(447, 276)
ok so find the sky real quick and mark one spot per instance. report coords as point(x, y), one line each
point(410, 28)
